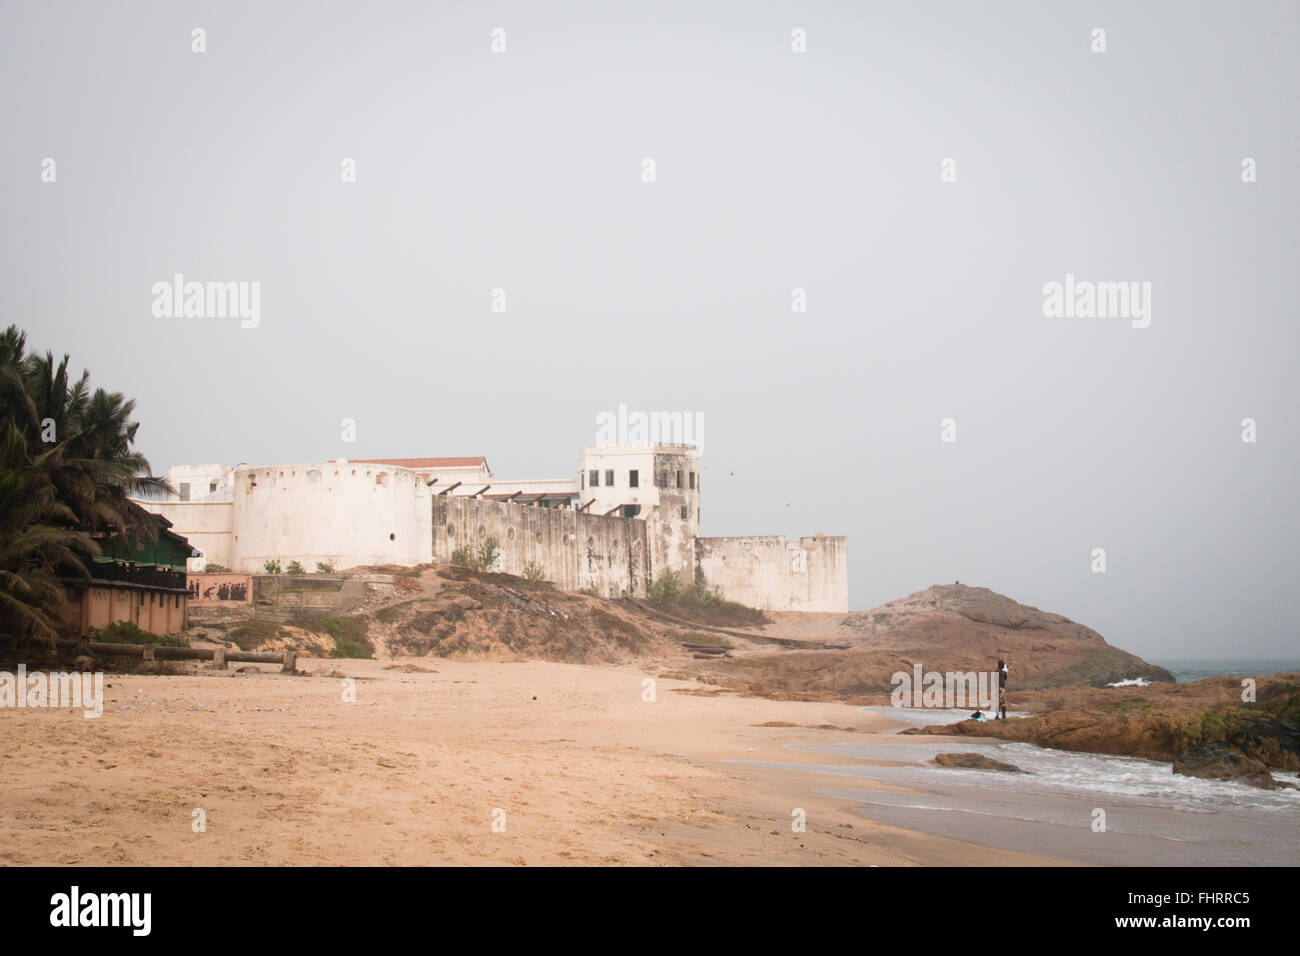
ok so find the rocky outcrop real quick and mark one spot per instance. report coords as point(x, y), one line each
point(1221, 762)
point(974, 762)
point(943, 628)
point(1160, 722)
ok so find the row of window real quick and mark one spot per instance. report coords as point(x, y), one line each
point(183, 489)
point(634, 479)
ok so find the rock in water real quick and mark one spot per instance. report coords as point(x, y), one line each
point(974, 762)
point(1221, 762)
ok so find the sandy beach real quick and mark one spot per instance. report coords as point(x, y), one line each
point(418, 767)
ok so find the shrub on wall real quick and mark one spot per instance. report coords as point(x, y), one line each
point(666, 587)
point(295, 568)
point(534, 573)
point(481, 560)
point(488, 552)
point(272, 566)
point(325, 567)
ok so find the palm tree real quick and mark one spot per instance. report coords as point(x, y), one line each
point(67, 468)
point(97, 468)
point(34, 550)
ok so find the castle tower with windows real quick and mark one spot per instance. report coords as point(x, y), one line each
point(657, 483)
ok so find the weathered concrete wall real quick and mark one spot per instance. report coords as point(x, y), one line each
point(773, 574)
point(99, 605)
point(575, 551)
point(675, 517)
point(344, 513)
point(209, 526)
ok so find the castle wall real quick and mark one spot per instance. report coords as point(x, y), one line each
point(344, 513)
point(351, 513)
point(773, 574)
point(576, 551)
point(209, 526)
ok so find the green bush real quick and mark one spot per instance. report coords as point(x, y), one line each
point(481, 559)
point(351, 635)
point(666, 587)
point(325, 567)
point(127, 632)
point(272, 566)
point(701, 603)
point(534, 573)
point(294, 568)
point(488, 552)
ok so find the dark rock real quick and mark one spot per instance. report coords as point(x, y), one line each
point(974, 762)
point(1221, 762)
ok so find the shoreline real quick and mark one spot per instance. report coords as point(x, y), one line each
point(287, 773)
point(417, 767)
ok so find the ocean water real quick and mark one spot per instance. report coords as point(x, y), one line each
point(1186, 670)
point(1152, 816)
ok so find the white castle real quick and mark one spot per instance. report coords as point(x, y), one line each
point(630, 513)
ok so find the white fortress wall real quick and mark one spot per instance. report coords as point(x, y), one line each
point(209, 526)
point(575, 551)
point(344, 513)
point(774, 574)
point(351, 513)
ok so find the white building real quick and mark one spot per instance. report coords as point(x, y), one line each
point(631, 514)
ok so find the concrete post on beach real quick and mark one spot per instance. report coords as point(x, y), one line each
point(219, 659)
point(290, 665)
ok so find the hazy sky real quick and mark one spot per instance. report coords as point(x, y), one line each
point(775, 170)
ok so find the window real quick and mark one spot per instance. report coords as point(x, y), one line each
point(692, 480)
point(313, 476)
point(593, 478)
point(212, 486)
point(685, 512)
point(629, 511)
point(679, 479)
point(178, 600)
point(633, 478)
point(663, 479)
point(381, 478)
point(185, 491)
point(609, 477)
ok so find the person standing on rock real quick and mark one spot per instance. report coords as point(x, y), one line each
point(1002, 690)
